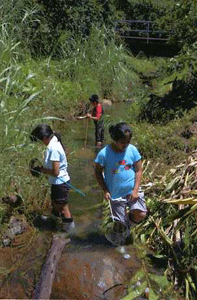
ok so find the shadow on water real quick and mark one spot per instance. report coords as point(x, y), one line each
point(45, 223)
point(96, 268)
point(91, 267)
point(92, 239)
point(82, 236)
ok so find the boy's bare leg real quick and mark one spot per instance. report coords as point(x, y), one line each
point(137, 216)
point(66, 211)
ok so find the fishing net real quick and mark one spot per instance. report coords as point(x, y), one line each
point(116, 233)
point(34, 167)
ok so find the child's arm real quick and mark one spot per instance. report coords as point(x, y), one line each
point(54, 171)
point(97, 115)
point(138, 176)
point(100, 179)
point(91, 117)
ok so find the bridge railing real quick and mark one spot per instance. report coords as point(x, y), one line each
point(141, 30)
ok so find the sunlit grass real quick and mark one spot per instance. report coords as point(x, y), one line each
point(48, 89)
point(43, 90)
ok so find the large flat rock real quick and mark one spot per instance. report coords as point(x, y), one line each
point(94, 272)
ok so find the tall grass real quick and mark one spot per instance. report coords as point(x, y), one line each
point(17, 94)
point(35, 90)
point(25, 23)
point(32, 91)
point(98, 65)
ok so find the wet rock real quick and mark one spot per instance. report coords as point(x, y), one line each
point(94, 273)
point(21, 264)
point(6, 241)
point(106, 103)
point(14, 200)
point(16, 227)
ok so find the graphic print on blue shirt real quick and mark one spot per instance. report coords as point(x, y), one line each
point(121, 166)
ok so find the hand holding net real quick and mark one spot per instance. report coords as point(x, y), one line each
point(34, 168)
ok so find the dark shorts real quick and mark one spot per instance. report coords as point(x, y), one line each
point(59, 193)
point(99, 131)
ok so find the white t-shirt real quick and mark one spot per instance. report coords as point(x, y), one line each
point(55, 152)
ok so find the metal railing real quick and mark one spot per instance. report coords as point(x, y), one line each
point(140, 30)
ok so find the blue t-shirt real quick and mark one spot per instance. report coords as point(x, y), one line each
point(55, 152)
point(119, 172)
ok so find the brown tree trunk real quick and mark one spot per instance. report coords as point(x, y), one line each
point(44, 286)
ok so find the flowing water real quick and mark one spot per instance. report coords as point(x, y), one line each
point(90, 267)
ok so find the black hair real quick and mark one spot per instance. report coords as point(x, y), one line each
point(41, 131)
point(44, 130)
point(120, 131)
point(94, 98)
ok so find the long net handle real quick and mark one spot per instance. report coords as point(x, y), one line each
point(86, 133)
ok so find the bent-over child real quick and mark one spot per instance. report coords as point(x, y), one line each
point(55, 166)
point(118, 170)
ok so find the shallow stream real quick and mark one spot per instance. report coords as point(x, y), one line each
point(90, 268)
point(97, 269)
point(79, 138)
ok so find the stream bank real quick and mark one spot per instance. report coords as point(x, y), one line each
point(90, 267)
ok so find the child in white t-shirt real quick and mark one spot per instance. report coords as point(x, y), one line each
point(55, 166)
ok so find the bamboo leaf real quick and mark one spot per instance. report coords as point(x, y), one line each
point(24, 105)
point(164, 236)
point(190, 201)
point(193, 192)
point(172, 184)
point(194, 233)
point(182, 219)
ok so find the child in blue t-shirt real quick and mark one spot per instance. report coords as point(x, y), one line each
point(118, 170)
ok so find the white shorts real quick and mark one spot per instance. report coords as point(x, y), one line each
point(119, 207)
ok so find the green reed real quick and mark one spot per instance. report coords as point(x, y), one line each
point(33, 91)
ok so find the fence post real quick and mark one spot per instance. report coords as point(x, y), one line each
point(148, 33)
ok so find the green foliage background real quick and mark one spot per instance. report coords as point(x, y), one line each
point(54, 54)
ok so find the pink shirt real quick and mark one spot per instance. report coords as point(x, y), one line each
point(97, 111)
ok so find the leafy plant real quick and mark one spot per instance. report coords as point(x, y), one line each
point(170, 226)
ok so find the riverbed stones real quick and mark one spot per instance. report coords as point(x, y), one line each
point(106, 103)
point(14, 200)
point(93, 272)
point(16, 226)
